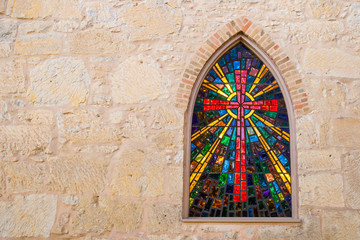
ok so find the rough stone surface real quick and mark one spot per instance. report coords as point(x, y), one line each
point(59, 81)
point(4, 114)
point(77, 174)
point(44, 8)
point(343, 224)
point(5, 49)
point(325, 190)
point(164, 217)
point(102, 214)
point(319, 160)
point(36, 116)
point(157, 20)
point(86, 126)
point(325, 9)
point(8, 29)
point(25, 176)
point(38, 44)
point(344, 132)
point(2, 6)
point(30, 216)
point(352, 180)
point(130, 84)
point(23, 141)
point(99, 42)
point(34, 27)
point(331, 62)
point(12, 78)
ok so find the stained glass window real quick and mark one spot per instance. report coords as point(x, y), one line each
point(240, 141)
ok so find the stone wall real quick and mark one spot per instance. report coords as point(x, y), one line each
point(92, 102)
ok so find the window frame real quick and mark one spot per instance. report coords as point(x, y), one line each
point(233, 41)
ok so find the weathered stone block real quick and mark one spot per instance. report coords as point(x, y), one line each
point(59, 81)
point(38, 44)
point(34, 27)
point(326, 9)
point(327, 96)
point(130, 84)
point(36, 116)
point(164, 218)
point(331, 62)
point(99, 42)
point(24, 177)
point(2, 6)
point(24, 140)
point(12, 78)
point(5, 49)
point(77, 174)
point(325, 190)
point(340, 224)
point(307, 133)
point(102, 214)
point(8, 29)
point(30, 216)
point(319, 160)
point(4, 115)
point(68, 9)
point(87, 126)
point(352, 179)
point(344, 132)
point(158, 20)
point(167, 118)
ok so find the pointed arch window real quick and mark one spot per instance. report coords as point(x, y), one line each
point(240, 149)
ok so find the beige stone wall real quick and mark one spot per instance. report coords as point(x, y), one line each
point(92, 102)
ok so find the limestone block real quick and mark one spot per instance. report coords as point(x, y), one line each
point(134, 126)
point(158, 20)
point(340, 224)
point(12, 78)
point(66, 26)
point(129, 178)
point(319, 160)
point(66, 9)
point(25, 176)
point(354, 19)
point(138, 80)
point(344, 132)
point(308, 229)
point(8, 29)
point(154, 174)
point(307, 134)
point(327, 96)
point(352, 179)
point(331, 62)
point(102, 214)
point(167, 117)
point(87, 126)
point(5, 49)
point(325, 190)
point(59, 81)
point(2, 6)
point(325, 9)
point(4, 114)
point(2, 183)
point(38, 44)
point(164, 217)
point(99, 42)
point(34, 27)
point(30, 216)
point(99, 15)
point(175, 177)
point(116, 116)
point(353, 97)
point(314, 31)
point(36, 116)
point(24, 140)
point(77, 174)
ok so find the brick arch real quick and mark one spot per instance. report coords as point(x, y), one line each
point(286, 68)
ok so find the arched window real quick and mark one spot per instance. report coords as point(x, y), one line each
point(240, 139)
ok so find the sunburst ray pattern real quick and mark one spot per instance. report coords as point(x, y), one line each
point(240, 143)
